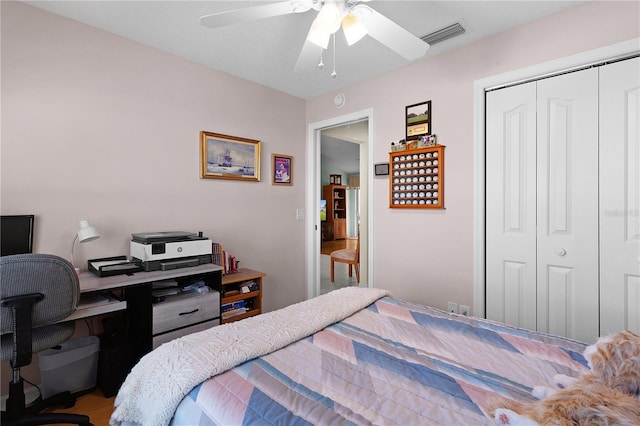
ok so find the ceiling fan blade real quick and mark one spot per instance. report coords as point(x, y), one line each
point(391, 34)
point(231, 17)
point(308, 58)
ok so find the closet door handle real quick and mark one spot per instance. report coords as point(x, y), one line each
point(561, 252)
point(189, 313)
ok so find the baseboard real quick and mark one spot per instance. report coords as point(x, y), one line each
point(30, 394)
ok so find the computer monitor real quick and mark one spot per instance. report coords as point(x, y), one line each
point(16, 234)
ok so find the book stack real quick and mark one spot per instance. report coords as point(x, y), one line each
point(223, 258)
point(216, 253)
point(230, 310)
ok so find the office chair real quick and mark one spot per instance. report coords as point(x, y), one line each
point(36, 291)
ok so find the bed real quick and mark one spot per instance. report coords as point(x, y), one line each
point(351, 356)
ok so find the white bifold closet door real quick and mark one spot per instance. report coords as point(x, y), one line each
point(542, 205)
point(511, 240)
point(563, 202)
point(567, 205)
point(620, 197)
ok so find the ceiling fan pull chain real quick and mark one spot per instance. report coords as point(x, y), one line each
point(334, 74)
point(321, 64)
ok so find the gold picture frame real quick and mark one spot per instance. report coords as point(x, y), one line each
point(281, 169)
point(229, 157)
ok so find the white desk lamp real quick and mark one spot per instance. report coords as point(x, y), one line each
point(85, 234)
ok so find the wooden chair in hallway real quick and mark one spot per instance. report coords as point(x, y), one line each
point(349, 256)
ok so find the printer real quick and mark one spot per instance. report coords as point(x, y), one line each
point(162, 251)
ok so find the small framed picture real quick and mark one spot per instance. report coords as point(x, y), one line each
point(282, 169)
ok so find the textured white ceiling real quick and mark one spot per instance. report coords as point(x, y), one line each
point(266, 51)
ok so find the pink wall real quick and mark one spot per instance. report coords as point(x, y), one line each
point(427, 256)
point(96, 126)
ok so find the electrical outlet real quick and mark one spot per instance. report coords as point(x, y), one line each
point(465, 310)
point(452, 307)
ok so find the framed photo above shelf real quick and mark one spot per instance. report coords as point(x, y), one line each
point(418, 120)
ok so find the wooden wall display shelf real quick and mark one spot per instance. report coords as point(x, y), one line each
point(416, 179)
point(231, 291)
point(336, 223)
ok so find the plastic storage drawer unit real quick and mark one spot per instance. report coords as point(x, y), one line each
point(73, 367)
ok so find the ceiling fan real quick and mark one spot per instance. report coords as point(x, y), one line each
point(356, 18)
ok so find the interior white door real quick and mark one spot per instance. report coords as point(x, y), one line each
point(511, 205)
point(620, 196)
point(567, 205)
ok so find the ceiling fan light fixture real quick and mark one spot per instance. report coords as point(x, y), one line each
point(353, 29)
point(330, 17)
point(318, 35)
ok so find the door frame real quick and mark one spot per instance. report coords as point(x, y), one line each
point(314, 193)
point(535, 72)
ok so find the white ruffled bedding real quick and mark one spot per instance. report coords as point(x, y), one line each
point(157, 384)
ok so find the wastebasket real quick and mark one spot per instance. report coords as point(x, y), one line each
point(71, 366)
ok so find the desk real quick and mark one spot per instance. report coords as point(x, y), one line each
point(137, 300)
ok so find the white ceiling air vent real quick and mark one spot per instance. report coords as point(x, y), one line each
point(443, 34)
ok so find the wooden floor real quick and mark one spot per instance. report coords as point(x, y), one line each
point(94, 405)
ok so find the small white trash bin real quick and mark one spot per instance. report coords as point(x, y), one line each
point(72, 366)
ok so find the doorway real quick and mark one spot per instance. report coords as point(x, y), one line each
point(314, 195)
point(340, 177)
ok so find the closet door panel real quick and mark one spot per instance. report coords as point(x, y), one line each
point(561, 286)
point(620, 196)
point(567, 205)
point(510, 211)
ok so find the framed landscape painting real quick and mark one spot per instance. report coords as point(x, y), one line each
point(229, 157)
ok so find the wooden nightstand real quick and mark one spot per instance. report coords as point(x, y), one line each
point(232, 292)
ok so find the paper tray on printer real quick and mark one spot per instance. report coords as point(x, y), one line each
point(162, 237)
point(110, 266)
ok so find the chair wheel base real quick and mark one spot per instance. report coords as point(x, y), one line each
point(48, 419)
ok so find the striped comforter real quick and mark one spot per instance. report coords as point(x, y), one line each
point(391, 363)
